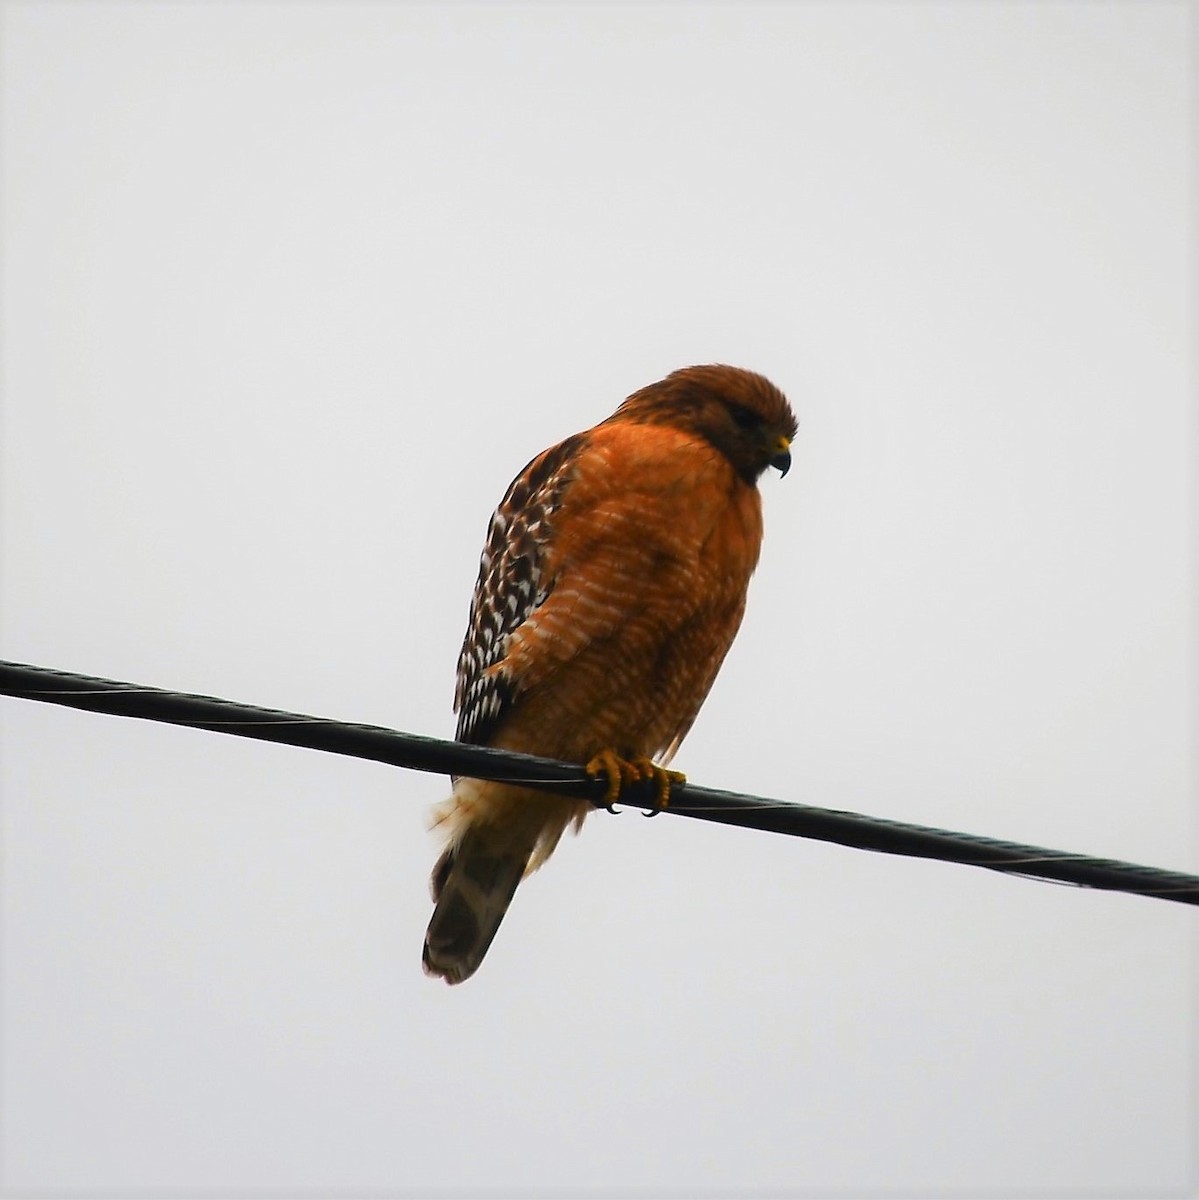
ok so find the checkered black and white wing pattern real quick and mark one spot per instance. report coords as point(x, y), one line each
point(512, 583)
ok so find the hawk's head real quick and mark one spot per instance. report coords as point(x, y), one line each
point(739, 412)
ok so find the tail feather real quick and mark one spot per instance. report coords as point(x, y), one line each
point(496, 834)
point(473, 884)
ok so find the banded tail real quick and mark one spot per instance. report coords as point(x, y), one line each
point(498, 834)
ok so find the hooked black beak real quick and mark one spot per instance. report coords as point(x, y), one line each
point(782, 458)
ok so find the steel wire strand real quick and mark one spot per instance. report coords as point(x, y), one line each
point(420, 753)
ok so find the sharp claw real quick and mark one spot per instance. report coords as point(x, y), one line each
point(607, 764)
point(665, 780)
point(618, 772)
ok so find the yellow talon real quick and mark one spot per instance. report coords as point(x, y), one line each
point(619, 771)
point(606, 763)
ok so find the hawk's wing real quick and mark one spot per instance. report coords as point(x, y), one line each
point(512, 583)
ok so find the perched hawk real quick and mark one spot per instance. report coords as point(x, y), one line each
point(611, 586)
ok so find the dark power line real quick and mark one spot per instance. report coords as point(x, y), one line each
point(455, 758)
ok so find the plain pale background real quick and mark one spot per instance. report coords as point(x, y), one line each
point(291, 291)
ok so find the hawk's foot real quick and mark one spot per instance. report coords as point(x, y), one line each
point(620, 771)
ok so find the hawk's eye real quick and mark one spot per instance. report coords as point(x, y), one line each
point(743, 418)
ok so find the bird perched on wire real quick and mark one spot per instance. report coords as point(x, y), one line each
point(611, 585)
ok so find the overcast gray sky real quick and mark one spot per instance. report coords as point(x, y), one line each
point(290, 292)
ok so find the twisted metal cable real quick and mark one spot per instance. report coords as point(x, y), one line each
point(688, 800)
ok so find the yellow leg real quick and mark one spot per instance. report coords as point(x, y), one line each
point(619, 771)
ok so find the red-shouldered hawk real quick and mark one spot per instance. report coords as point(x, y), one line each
point(611, 585)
